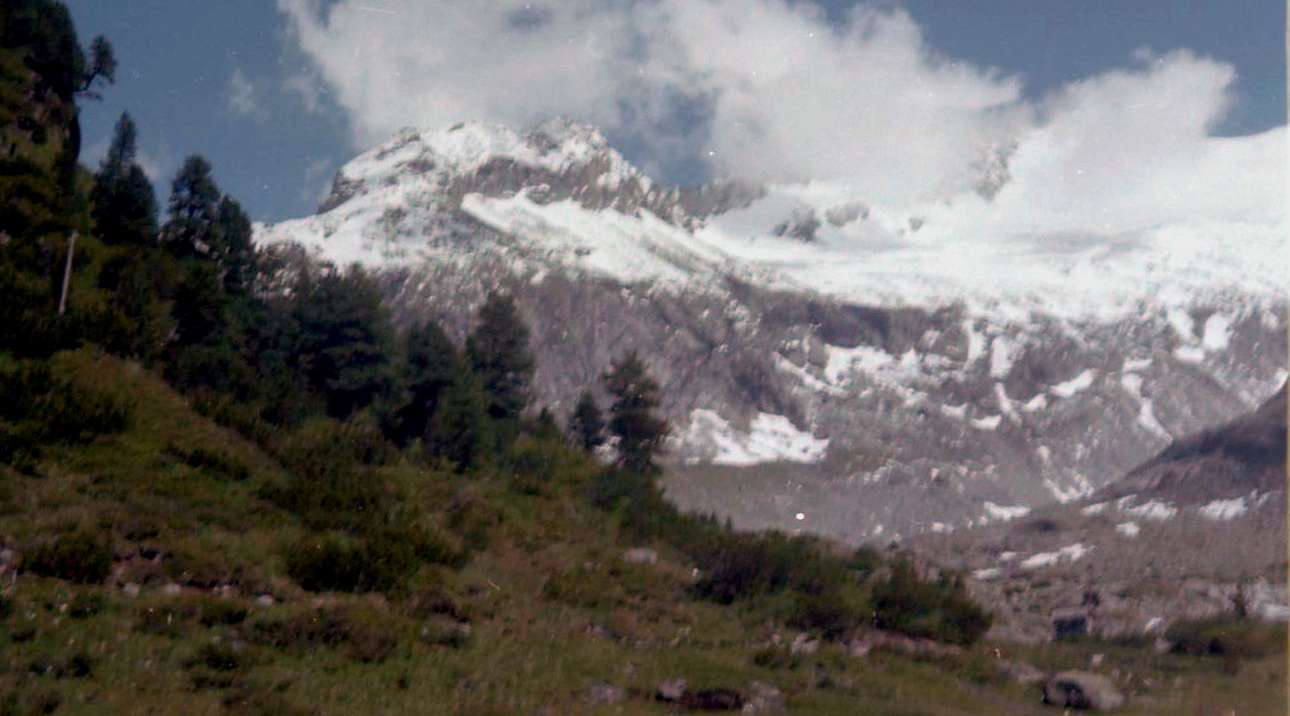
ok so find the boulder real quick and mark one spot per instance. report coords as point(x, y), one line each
point(671, 691)
point(606, 694)
point(1082, 690)
point(764, 698)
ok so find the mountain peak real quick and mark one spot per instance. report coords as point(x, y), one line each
point(486, 158)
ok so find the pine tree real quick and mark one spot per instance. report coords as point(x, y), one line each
point(345, 343)
point(194, 225)
point(102, 67)
point(124, 205)
point(498, 352)
point(633, 419)
point(432, 362)
point(587, 424)
point(237, 254)
point(459, 431)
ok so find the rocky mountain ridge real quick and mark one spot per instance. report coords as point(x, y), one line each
point(877, 395)
point(1175, 538)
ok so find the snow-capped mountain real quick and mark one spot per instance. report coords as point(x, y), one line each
point(887, 369)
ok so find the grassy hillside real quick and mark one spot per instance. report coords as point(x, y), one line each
point(149, 571)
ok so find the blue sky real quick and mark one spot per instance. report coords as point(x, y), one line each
point(278, 99)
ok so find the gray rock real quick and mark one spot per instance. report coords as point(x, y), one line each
point(1083, 690)
point(671, 690)
point(764, 698)
point(606, 694)
point(131, 589)
point(265, 600)
point(640, 555)
point(172, 590)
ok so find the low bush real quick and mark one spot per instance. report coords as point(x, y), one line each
point(1225, 636)
point(70, 398)
point(367, 635)
point(224, 465)
point(380, 562)
point(331, 485)
point(938, 609)
point(78, 557)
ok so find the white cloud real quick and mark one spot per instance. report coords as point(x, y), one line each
point(770, 90)
point(243, 96)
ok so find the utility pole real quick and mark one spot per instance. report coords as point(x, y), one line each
point(67, 273)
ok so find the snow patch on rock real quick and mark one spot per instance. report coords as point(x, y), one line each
point(771, 438)
point(1223, 510)
point(1070, 553)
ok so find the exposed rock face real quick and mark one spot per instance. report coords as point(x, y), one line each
point(1243, 457)
point(1083, 690)
point(1174, 539)
point(792, 407)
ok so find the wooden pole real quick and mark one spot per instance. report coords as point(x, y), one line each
point(67, 274)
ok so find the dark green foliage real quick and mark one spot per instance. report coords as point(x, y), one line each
point(939, 609)
point(102, 67)
point(633, 418)
point(193, 224)
point(42, 31)
point(431, 364)
point(124, 205)
point(498, 352)
point(237, 255)
point(330, 485)
point(42, 406)
point(532, 464)
point(737, 565)
point(333, 563)
point(1225, 636)
point(135, 322)
point(85, 605)
point(473, 519)
point(369, 639)
point(77, 557)
point(343, 343)
point(210, 236)
point(213, 611)
point(460, 430)
point(825, 609)
point(587, 424)
point(218, 462)
point(220, 656)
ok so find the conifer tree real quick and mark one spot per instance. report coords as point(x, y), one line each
point(498, 352)
point(102, 67)
point(237, 254)
point(587, 424)
point(345, 343)
point(633, 419)
point(124, 205)
point(459, 431)
point(193, 227)
point(432, 362)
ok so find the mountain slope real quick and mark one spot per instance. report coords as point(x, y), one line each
point(1171, 539)
point(894, 370)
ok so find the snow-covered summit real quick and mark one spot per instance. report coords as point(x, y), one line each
point(559, 194)
point(996, 350)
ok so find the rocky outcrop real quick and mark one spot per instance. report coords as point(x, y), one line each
point(1083, 690)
